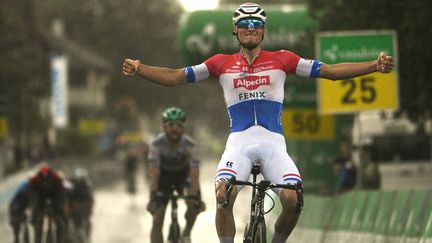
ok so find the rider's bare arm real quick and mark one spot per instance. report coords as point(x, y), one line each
point(194, 176)
point(383, 64)
point(154, 178)
point(158, 75)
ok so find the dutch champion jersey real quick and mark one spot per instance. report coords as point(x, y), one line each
point(254, 93)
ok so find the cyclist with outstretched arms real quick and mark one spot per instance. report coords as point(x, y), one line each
point(173, 165)
point(253, 85)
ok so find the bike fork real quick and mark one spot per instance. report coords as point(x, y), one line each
point(174, 231)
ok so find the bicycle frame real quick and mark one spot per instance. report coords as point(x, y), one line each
point(78, 230)
point(255, 230)
point(257, 206)
point(49, 229)
point(174, 228)
point(24, 234)
point(46, 229)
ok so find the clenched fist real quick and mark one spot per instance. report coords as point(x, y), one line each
point(384, 63)
point(130, 67)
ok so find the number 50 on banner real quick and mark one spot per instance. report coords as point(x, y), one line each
point(307, 124)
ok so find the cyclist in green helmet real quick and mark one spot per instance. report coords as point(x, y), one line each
point(173, 166)
point(174, 114)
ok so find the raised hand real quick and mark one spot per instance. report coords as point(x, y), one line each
point(384, 63)
point(130, 67)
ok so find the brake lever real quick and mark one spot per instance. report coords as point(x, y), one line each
point(229, 187)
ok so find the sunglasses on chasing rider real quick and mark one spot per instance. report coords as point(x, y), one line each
point(250, 23)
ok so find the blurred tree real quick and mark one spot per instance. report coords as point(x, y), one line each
point(238, 2)
point(144, 30)
point(411, 20)
point(24, 76)
point(125, 112)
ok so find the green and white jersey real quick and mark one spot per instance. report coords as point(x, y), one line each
point(171, 159)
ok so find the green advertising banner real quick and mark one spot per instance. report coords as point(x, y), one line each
point(205, 33)
point(368, 92)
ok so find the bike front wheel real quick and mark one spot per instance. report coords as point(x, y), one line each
point(174, 233)
point(259, 234)
point(26, 233)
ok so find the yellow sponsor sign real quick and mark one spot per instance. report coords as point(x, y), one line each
point(369, 92)
point(91, 126)
point(3, 126)
point(132, 137)
point(307, 124)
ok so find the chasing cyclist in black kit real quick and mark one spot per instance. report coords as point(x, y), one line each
point(173, 166)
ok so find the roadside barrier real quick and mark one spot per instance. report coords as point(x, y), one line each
point(366, 216)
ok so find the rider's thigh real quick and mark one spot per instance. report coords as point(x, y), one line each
point(280, 169)
point(233, 163)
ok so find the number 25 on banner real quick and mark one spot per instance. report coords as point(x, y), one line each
point(373, 91)
point(307, 124)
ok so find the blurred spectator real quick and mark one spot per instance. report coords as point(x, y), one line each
point(131, 166)
point(370, 174)
point(344, 169)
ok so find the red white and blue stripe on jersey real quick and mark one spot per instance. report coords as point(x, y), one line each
point(254, 93)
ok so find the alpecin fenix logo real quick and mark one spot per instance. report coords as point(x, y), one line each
point(251, 82)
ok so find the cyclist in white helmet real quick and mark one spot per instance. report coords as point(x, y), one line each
point(253, 84)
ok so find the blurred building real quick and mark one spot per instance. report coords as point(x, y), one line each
point(88, 70)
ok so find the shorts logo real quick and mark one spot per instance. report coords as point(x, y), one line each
point(251, 82)
point(229, 164)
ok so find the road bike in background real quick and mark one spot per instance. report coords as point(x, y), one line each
point(45, 225)
point(174, 234)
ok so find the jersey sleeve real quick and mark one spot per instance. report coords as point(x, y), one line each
point(193, 158)
point(196, 73)
point(294, 64)
point(153, 156)
point(210, 67)
point(308, 68)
